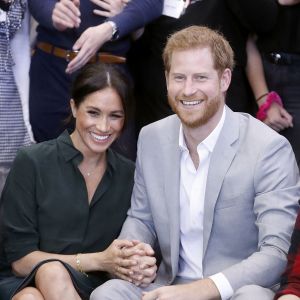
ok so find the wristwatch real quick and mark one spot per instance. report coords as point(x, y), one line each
point(115, 31)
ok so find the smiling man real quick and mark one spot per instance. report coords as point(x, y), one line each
point(216, 190)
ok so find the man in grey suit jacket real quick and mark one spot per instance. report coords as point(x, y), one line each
point(216, 190)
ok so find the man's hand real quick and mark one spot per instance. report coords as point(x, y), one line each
point(278, 118)
point(66, 14)
point(118, 259)
point(144, 272)
point(288, 297)
point(203, 289)
point(288, 2)
point(88, 44)
point(109, 8)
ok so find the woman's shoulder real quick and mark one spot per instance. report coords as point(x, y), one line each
point(39, 151)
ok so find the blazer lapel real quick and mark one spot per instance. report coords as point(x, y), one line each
point(222, 156)
point(172, 184)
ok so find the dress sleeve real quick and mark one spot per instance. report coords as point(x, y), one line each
point(290, 280)
point(19, 210)
point(42, 11)
point(137, 14)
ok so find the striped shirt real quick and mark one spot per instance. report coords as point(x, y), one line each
point(13, 132)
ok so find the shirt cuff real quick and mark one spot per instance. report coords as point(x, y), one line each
point(222, 285)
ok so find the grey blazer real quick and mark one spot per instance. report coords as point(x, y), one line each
point(250, 201)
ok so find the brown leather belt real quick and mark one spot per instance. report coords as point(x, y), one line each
point(68, 55)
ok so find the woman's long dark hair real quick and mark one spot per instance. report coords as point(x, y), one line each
point(96, 77)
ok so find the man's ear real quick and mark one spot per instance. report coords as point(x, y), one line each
point(225, 80)
point(73, 108)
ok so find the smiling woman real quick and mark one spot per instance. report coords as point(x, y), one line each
point(99, 108)
point(65, 200)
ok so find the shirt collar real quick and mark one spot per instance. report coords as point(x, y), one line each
point(210, 141)
point(69, 152)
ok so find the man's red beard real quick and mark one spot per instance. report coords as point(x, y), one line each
point(196, 118)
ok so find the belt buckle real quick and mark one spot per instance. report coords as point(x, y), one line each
point(69, 53)
point(276, 57)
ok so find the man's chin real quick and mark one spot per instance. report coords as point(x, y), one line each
point(193, 124)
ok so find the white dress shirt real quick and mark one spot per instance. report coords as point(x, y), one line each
point(192, 193)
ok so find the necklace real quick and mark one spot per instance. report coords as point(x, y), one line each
point(89, 173)
point(92, 171)
point(87, 170)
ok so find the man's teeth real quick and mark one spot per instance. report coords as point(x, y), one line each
point(100, 137)
point(191, 102)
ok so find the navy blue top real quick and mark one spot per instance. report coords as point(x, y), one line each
point(135, 15)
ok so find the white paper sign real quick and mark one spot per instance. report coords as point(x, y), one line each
point(173, 8)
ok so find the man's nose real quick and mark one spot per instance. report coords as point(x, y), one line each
point(189, 88)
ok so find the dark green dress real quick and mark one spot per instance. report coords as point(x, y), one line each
point(45, 207)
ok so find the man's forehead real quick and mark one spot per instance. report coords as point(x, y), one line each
point(191, 59)
point(192, 54)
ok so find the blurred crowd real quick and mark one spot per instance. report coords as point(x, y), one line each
point(38, 66)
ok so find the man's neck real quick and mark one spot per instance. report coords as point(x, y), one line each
point(194, 136)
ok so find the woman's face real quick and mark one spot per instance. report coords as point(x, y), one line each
point(99, 121)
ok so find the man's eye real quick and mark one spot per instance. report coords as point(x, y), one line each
point(179, 78)
point(200, 77)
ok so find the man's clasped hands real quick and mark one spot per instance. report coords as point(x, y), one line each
point(133, 261)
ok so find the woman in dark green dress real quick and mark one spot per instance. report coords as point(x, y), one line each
point(65, 200)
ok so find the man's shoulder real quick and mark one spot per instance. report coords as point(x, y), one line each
point(165, 125)
point(255, 131)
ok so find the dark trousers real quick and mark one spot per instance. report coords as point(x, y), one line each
point(285, 80)
point(49, 95)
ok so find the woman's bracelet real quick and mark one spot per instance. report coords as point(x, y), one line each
point(261, 96)
point(272, 97)
point(78, 264)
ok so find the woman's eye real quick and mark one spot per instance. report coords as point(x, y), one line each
point(117, 116)
point(93, 113)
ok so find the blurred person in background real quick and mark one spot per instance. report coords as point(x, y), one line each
point(69, 35)
point(15, 130)
point(226, 16)
point(280, 51)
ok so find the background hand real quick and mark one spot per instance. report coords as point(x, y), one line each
point(66, 14)
point(278, 118)
point(109, 8)
point(88, 44)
